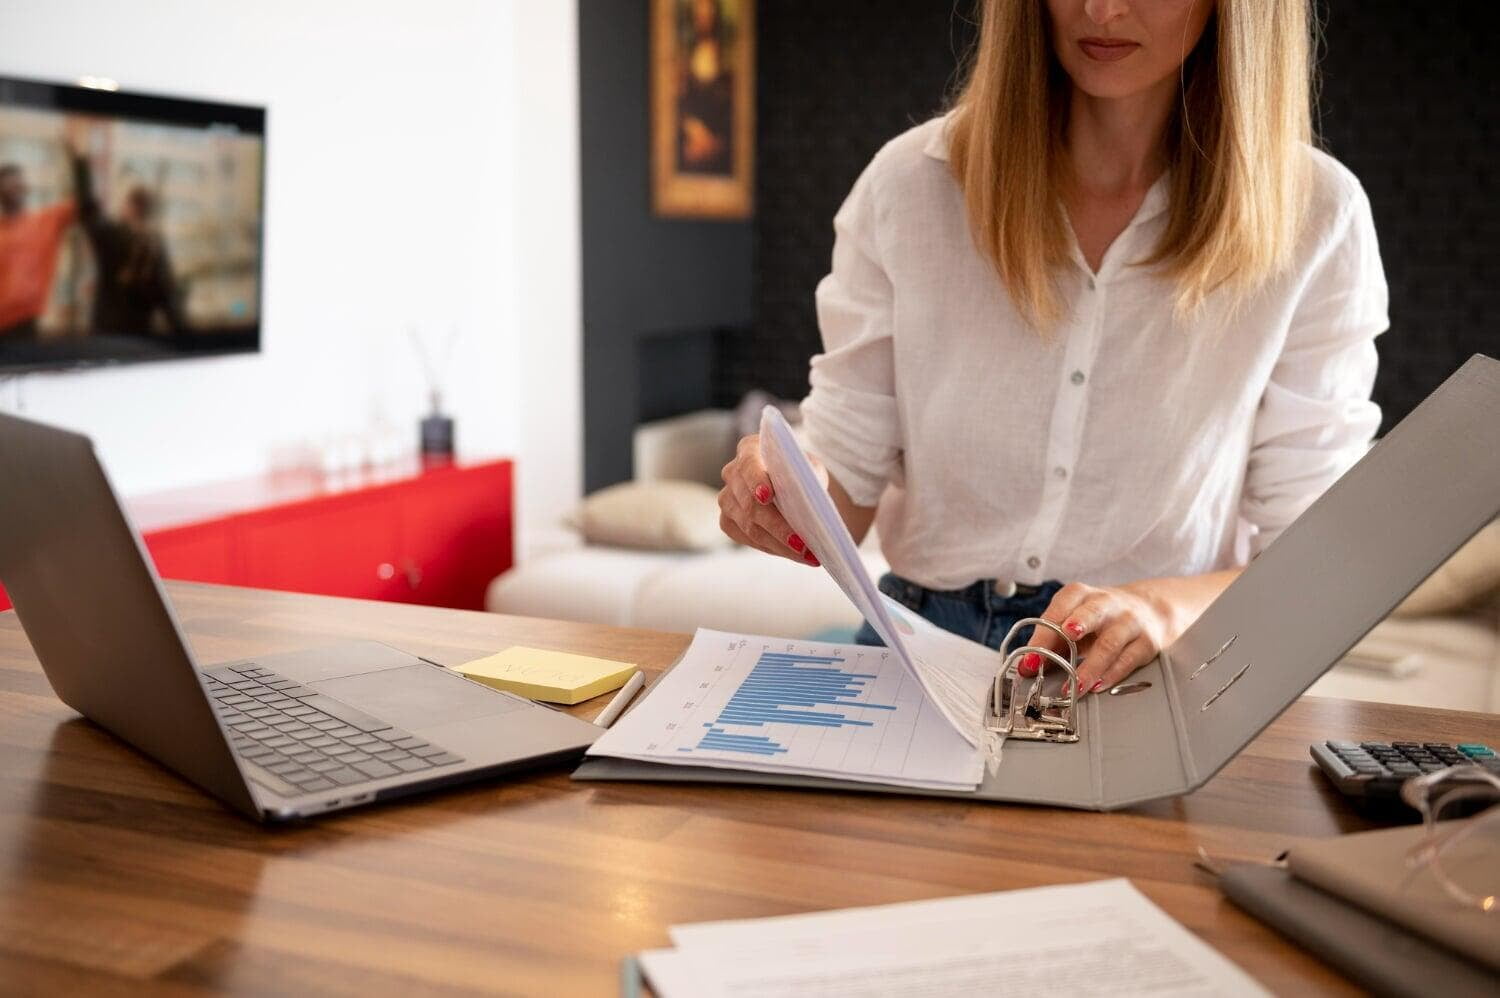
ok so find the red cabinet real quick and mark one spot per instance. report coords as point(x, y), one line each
point(449, 544)
point(335, 546)
point(436, 537)
point(199, 552)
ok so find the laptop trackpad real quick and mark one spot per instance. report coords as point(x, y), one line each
point(418, 696)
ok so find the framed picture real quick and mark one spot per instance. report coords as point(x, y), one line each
point(702, 108)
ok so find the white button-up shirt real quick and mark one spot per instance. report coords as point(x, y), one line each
point(1127, 444)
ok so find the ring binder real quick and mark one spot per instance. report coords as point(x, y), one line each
point(1033, 717)
point(1294, 611)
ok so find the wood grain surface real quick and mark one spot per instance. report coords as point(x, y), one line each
point(116, 877)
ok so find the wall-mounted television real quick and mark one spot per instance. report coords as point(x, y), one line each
point(130, 226)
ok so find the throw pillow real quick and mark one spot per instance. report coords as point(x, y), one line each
point(658, 515)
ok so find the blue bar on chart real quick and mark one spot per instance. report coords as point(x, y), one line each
point(783, 688)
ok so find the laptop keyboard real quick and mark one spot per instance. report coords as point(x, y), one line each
point(309, 739)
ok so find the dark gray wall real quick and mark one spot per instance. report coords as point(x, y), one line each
point(837, 80)
point(1411, 104)
point(642, 276)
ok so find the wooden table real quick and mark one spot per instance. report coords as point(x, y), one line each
point(116, 876)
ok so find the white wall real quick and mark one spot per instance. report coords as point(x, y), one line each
point(399, 189)
point(549, 240)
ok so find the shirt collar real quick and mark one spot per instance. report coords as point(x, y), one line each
point(1155, 202)
point(937, 143)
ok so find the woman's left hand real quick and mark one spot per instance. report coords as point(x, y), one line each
point(1120, 628)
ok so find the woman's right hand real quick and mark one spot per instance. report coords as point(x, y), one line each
point(747, 509)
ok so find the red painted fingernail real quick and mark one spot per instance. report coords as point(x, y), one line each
point(1098, 686)
point(763, 494)
point(1074, 628)
point(795, 543)
point(1030, 662)
point(812, 559)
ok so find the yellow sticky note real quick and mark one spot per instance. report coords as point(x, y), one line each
point(554, 676)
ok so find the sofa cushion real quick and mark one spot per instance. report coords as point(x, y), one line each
point(662, 515)
point(1470, 577)
point(749, 592)
point(596, 585)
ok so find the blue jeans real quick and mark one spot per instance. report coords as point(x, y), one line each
point(976, 612)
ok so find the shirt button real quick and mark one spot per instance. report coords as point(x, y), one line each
point(1060, 471)
point(1033, 562)
point(1091, 282)
point(1077, 378)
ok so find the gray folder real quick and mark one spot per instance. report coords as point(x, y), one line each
point(1401, 511)
point(1378, 955)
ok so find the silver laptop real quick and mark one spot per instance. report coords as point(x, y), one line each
point(277, 737)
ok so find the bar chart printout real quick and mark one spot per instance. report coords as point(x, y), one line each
point(784, 688)
point(746, 702)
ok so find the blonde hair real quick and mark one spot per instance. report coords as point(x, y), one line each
point(1234, 147)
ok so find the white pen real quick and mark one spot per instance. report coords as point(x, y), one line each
point(617, 705)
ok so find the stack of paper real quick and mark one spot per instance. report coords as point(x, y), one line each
point(735, 701)
point(909, 714)
point(955, 673)
point(1099, 939)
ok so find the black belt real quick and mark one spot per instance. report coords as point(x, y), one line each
point(980, 593)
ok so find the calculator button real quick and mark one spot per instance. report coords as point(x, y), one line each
point(1344, 746)
point(1476, 751)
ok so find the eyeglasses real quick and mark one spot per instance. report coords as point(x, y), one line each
point(1440, 795)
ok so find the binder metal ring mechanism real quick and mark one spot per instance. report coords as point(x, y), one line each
point(1018, 707)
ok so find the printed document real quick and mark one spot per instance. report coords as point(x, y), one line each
point(1100, 938)
point(956, 674)
point(736, 701)
point(909, 714)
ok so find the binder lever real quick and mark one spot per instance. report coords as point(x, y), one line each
point(1018, 707)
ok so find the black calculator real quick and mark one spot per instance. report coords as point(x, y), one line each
point(1376, 770)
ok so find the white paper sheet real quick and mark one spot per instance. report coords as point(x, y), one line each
point(738, 701)
point(1100, 938)
point(956, 674)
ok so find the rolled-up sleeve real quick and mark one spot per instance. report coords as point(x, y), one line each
point(850, 414)
point(1316, 418)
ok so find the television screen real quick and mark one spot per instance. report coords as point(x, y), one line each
point(130, 226)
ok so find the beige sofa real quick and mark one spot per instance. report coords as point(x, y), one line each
point(1442, 659)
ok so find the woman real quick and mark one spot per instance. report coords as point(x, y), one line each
point(1109, 321)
